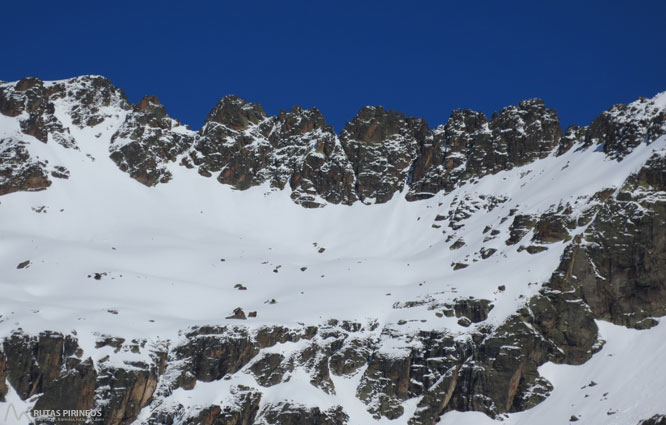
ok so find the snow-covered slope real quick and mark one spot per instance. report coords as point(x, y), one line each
point(221, 304)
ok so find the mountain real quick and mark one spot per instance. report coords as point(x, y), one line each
point(266, 270)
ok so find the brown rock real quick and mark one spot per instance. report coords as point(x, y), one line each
point(3, 376)
point(127, 391)
point(238, 314)
point(74, 390)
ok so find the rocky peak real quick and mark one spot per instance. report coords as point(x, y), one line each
point(90, 95)
point(299, 121)
point(470, 145)
point(147, 140)
point(381, 146)
point(462, 130)
point(296, 147)
point(375, 124)
point(524, 133)
point(142, 142)
point(151, 112)
point(28, 95)
point(235, 113)
point(442, 163)
point(311, 159)
point(625, 126)
point(148, 102)
point(95, 90)
point(465, 120)
point(27, 82)
point(29, 101)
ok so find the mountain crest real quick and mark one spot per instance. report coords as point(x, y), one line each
point(235, 113)
point(379, 153)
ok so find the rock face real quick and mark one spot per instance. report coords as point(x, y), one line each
point(212, 353)
point(33, 363)
point(286, 414)
point(496, 371)
point(470, 145)
point(90, 100)
point(147, 140)
point(123, 392)
point(247, 148)
point(30, 101)
point(52, 365)
point(18, 170)
point(624, 127)
point(381, 147)
point(3, 376)
point(480, 374)
point(73, 389)
point(617, 266)
point(520, 226)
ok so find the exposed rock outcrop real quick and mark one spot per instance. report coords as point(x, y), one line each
point(34, 362)
point(19, 171)
point(89, 100)
point(3, 376)
point(470, 145)
point(123, 391)
point(73, 389)
point(288, 414)
point(247, 147)
point(51, 367)
point(147, 140)
point(620, 129)
point(381, 146)
point(655, 420)
point(618, 265)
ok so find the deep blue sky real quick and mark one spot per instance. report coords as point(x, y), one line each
point(423, 58)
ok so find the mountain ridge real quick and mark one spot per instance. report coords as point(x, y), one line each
point(378, 153)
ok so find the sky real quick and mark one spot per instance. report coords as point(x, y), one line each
point(423, 58)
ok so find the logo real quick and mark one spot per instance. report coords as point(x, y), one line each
point(50, 415)
point(17, 416)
